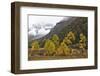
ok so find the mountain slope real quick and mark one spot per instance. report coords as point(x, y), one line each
point(76, 24)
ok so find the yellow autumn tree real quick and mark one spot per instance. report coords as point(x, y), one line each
point(69, 38)
point(67, 41)
point(49, 47)
point(35, 45)
point(63, 49)
point(55, 39)
point(82, 41)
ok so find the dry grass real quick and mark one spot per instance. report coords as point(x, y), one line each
point(38, 55)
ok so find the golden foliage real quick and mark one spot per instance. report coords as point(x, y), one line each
point(70, 37)
point(54, 47)
point(55, 39)
point(35, 45)
point(63, 49)
point(49, 47)
point(82, 41)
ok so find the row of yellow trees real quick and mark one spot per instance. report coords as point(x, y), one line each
point(54, 47)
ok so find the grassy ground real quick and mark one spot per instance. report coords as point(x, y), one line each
point(54, 57)
point(73, 55)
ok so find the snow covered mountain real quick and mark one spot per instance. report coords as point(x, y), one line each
point(37, 31)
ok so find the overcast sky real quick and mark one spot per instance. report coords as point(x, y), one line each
point(44, 19)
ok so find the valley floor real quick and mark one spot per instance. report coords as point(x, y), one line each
point(73, 55)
